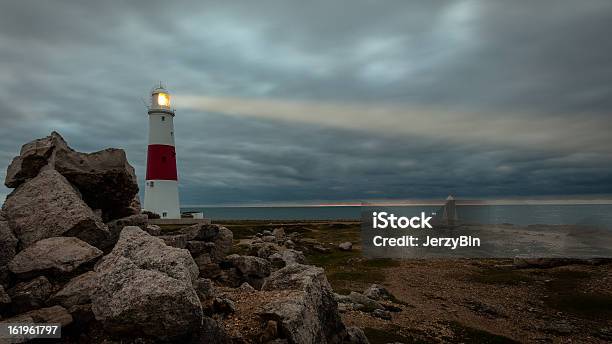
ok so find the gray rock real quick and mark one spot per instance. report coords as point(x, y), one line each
point(346, 246)
point(342, 298)
point(153, 229)
point(250, 265)
point(310, 313)
point(356, 336)
point(369, 304)
point(197, 248)
point(380, 313)
point(135, 206)
point(221, 237)
point(378, 292)
point(76, 291)
point(115, 227)
point(30, 295)
point(205, 289)
point(289, 244)
point(48, 206)
point(293, 257)
point(246, 287)
point(105, 179)
point(57, 255)
point(279, 233)
point(8, 243)
point(224, 305)
point(267, 249)
point(146, 287)
point(223, 244)
point(268, 238)
point(32, 158)
point(177, 240)
point(266, 233)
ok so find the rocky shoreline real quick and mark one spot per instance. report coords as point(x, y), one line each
point(76, 250)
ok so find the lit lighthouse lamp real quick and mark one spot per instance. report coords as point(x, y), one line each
point(161, 187)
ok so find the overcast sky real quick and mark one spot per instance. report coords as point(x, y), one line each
point(322, 101)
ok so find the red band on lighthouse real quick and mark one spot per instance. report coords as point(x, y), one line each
point(161, 163)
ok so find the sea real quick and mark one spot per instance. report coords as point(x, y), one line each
point(516, 214)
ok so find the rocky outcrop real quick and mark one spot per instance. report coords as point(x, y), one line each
point(49, 206)
point(8, 242)
point(57, 255)
point(310, 313)
point(105, 179)
point(146, 287)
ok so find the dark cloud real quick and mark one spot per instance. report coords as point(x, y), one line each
point(82, 68)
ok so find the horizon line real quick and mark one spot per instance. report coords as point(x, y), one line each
point(501, 201)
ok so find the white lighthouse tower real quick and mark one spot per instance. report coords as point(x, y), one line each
point(161, 187)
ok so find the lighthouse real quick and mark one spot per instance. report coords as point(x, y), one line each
point(161, 186)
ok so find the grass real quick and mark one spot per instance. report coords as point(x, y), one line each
point(502, 276)
point(348, 271)
point(466, 334)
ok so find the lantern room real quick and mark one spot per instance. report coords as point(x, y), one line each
point(160, 98)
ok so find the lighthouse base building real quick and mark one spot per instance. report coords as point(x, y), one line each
point(161, 186)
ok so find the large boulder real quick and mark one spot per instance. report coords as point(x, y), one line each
point(76, 291)
point(32, 158)
point(309, 314)
point(30, 295)
point(105, 179)
point(8, 243)
point(144, 287)
point(57, 255)
point(49, 206)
